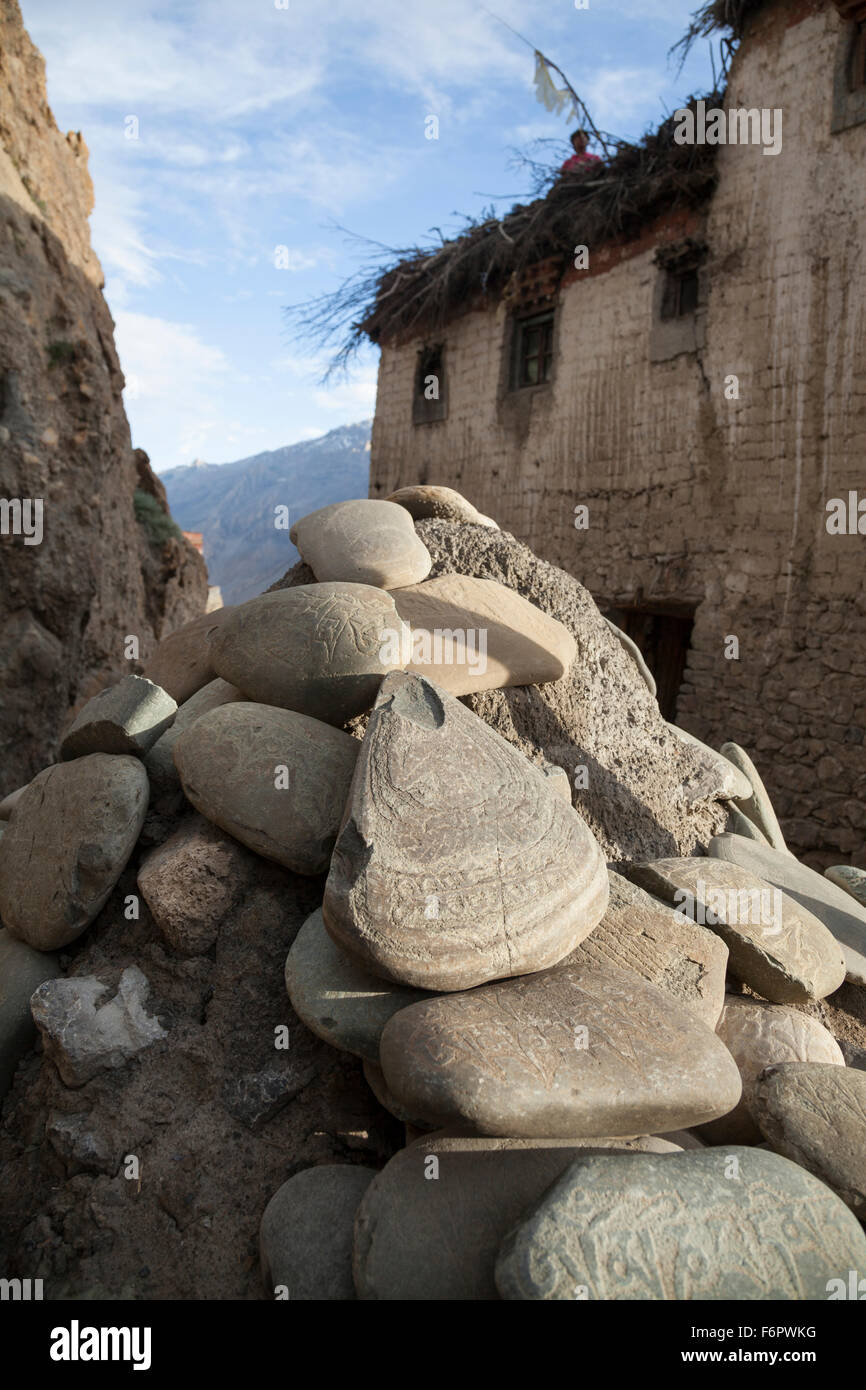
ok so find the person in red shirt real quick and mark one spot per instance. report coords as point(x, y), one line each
point(581, 159)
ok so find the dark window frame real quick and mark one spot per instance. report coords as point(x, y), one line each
point(538, 332)
point(849, 78)
point(431, 362)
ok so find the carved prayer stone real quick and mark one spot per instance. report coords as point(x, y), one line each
point(732, 1223)
point(776, 946)
point(457, 861)
point(362, 542)
point(757, 1035)
point(577, 1051)
point(815, 1114)
point(639, 933)
point(317, 648)
point(273, 778)
point(67, 844)
point(839, 911)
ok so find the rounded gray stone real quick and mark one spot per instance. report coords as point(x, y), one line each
point(731, 1223)
point(67, 844)
point(457, 861)
point(274, 779)
point(758, 1035)
point(127, 717)
point(839, 911)
point(166, 795)
point(776, 946)
point(815, 1114)
point(305, 1237)
point(319, 649)
point(431, 1223)
point(574, 1052)
point(336, 998)
point(362, 542)
point(22, 970)
point(181, 662)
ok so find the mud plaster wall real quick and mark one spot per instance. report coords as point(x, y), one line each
point(695, 498)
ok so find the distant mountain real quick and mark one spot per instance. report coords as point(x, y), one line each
point(232, 504)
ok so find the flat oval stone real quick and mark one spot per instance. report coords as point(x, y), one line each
point(274, 779)
point(639, 933)
point(841, 914)
point(124, 718)
point(320, 649)
point(738, 824)
point(687, 1227)
point(775, 946)
point(717, 776)
point(758, 1035)
point(181, 662)
point(756, 803)
point(457, 861)
point(67, 844)
point(305, 1237)
point(472, 634)
point(442, 502)
point(362, 542)
point(430, 1224)
point(577, 1051)
point(815, 1114)
point(335, 997)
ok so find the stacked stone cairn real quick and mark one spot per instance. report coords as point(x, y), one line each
point(611, 1082)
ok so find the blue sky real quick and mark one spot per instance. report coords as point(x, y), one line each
point(260, 126)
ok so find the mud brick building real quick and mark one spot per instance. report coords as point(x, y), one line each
point(612, 388)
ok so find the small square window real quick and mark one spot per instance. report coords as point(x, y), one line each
point(533, 350)
point(429, 397)
point(680, 294)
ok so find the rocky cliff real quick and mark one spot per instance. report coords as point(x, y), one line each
point(82, 567)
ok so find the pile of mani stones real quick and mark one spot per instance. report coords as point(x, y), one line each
point(575, 1128)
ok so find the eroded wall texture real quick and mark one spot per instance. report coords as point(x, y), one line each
point(698, 503)
point(96, 575)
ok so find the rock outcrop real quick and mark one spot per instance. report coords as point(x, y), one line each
point(79, 572)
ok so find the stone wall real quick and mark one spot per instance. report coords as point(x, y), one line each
point(68, 602)
point(699, 502)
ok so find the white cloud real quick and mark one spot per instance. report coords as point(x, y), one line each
point(162, 359)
